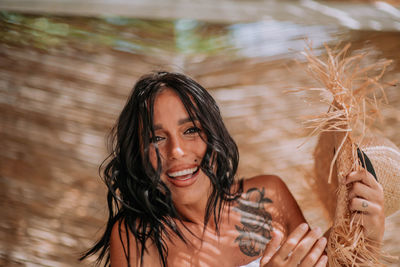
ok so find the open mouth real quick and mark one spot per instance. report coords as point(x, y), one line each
point(183, 178)
point(183, 175)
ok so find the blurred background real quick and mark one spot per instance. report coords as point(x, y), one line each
point(67, 67)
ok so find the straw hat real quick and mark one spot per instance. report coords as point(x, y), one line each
point(344, 146)
point(375, 153)
point(384, 157)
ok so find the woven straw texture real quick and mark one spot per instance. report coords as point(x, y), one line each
point(351, 92)
point(385, 158)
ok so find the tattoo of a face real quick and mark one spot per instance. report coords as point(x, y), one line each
point(255, 231)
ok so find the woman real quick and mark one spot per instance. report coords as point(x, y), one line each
point(174, 201)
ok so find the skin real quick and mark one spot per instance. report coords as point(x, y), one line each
point(182, 147)
point(264, 222)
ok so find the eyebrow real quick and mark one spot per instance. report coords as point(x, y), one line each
point(180, 122)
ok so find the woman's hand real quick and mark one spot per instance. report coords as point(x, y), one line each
point(303, 247)
point(366, 198)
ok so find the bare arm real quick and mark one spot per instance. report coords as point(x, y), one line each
point(293, 215)
point(302, 246)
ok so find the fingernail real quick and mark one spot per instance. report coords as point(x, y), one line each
point(324, 259)
point(323, 240)
point(303, 226)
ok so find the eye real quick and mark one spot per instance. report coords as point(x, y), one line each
point(157, 139)
point(193, 130)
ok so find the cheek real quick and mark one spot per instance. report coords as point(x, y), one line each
point(153, 157)
point(202, 148)
point(204, 143)
point(153, 161)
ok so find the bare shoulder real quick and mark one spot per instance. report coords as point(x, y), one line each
point(123, 242)
point(283, 203)
point(260, 211)
point(272, 183)
point(269, 186)
point(118, 245)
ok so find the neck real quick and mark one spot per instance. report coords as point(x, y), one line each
point(195, 213)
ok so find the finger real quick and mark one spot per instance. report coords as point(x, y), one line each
point(272, 247)
point(322, 261)
point(362, 176)
point(315, 253)
point(362, 191)
point(365, 206)
point(305, 245)
point(292, 240)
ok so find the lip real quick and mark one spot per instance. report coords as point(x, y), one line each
point(182, 181)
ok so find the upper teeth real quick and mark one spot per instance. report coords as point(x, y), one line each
point(183, 172)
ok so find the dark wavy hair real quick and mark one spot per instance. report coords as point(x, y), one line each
point(137, 197)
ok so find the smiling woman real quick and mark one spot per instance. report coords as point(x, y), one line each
point(164, 112)
point(172, 194)
point(181, 145)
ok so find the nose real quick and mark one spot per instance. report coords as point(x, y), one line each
point(176, 149)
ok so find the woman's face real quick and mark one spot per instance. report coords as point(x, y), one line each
point(181, 147)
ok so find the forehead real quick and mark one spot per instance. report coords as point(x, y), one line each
point(168, 105)
point(167, 98)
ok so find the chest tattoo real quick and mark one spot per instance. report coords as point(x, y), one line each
point(255, 229)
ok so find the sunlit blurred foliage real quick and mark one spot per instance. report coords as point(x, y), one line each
point(124, 34)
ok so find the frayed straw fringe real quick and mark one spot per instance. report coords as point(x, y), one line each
point(352, 94)
point(353, 101)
